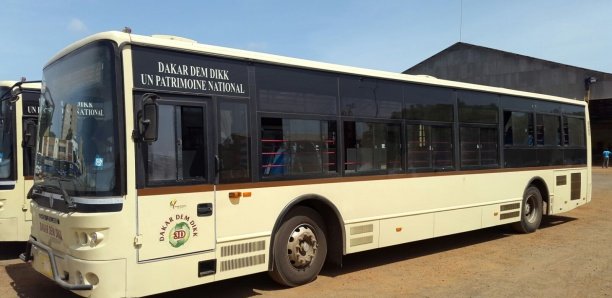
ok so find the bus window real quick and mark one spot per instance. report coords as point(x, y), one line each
point(548, 130)
point(234, 142)
point(442, 147)
point(7, 140)
point(476, 107)
point(372, 147)
point(478, 117)
point(575, 131)
point(479, 146)
point(361, 97)
point(417, 138)
point(179, 152)
point(293, 147)
point(518, 129)
point(430, 146)
point(428, 103)
point(282, 89)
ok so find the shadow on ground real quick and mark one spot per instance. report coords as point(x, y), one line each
point(28, 283)
point(11, 250)
point(247, 286)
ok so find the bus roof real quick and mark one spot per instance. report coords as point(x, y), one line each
point(187, 45)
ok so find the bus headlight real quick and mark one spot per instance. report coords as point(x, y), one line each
point(83, 238)
point(95, 238)
point(89, 238)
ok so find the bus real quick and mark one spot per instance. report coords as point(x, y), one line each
point(18, 118)
point(163, 163)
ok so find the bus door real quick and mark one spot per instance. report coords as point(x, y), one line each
point(176, 203)
point(29, 154)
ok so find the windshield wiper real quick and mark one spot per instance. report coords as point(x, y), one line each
point(67, 198)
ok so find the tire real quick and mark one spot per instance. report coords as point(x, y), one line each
point(300, 248)
point(531, 211)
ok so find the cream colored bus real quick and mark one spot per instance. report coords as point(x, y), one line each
point(19, 102)
point(163, 163)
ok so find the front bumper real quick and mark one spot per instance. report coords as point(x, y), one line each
point(86, 278)
point(44, 261)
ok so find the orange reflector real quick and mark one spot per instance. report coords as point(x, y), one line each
point(235, 195)
point(246, 194)
point(398, 229)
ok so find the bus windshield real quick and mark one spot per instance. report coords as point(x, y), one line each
point(77, 139)
point(6, 137)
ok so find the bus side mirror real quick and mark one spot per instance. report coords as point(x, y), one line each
point(148, 125)
point(15, 92)
point(29, 134)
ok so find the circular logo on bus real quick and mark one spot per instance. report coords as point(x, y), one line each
point(179, 234)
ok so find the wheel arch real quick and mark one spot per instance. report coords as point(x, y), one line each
point(334, 228)
point(541, 185)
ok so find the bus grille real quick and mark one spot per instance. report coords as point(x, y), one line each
point(242, 262)
point(242, 248)
point(364, 233)
point(509, 207)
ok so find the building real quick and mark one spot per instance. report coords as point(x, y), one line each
point(480, 65)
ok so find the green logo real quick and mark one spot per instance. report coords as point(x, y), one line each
point(179, 234)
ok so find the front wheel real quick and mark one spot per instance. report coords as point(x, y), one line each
point(300, 248)
point(531, 213)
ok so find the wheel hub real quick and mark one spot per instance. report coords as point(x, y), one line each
point(302, 246)
point(530, 208)
point(527, 208)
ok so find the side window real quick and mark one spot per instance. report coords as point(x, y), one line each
point(372, 147)
point(7, 140)
point(442, 147)
point(476, 107)
point(291, 90)
point(430, 146)
point(478, 135)
point(297, 147)
point(428, 103)
point(574, 131)
point(548, 130)
point(479, 147)
point(361, 97)
point(518, 129)
point(233, 142)
point(179, 154)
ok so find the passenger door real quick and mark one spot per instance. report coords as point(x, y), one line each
point(176, 214)
point(29, 155)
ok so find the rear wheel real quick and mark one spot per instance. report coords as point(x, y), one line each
point(531, 213)
point(300, 248)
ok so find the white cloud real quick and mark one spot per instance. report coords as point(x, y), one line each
point(77, 25)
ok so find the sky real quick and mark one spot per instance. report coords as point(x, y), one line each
point(383, 35)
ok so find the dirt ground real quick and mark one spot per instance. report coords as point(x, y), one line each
point(570, 256)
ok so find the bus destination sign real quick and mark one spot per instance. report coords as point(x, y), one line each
point(30, 104)
point(166, 70)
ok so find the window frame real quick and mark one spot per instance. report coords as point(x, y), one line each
point(176, 100)
point(216, 137)
point(292, 116)
point(537, 138)
point(397, 122)
point(429, 126)
point(497, 150)
point(532, 115)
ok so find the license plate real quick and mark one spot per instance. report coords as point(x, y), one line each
point(42, 263)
